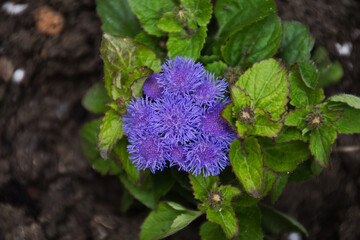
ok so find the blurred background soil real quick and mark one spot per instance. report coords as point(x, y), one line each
point(47, 188)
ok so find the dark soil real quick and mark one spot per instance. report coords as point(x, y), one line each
point(47, 188)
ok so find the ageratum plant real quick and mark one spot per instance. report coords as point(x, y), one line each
point(210, 108)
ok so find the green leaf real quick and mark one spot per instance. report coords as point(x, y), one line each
point(245, 200)
point(186, 44)
point(149, 13)
point(211, 231)
point(249, 223)
point(349, 122)
point(297, 118)
point(217, 67)
point(151, 42)
point(300, 94)
point(202, 185)
point(321, 141)
point(96, 98)
point(350, 100)
point(225, 217)
point(266, 83)
point(240, 99)
point(226, 113)
point(123, 55)
point(247, 162)
point(110, 131)
point(117, 18)
point(209, 59)
point(278, 187)
point(288, 134)
point(156, 186)
point(277, 222)
point(126, 201)
point(254, 42)
point(296, 43)
point(88, 136)
point(302, 173)
point(283, 157)
point(167, 219)
point(168, 23)
point(121, 152)
point(199, 10)
point(329, 73)
point(233, 15)
point(229, 192)
point(308, 73)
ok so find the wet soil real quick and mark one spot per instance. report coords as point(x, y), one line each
point(47, 188)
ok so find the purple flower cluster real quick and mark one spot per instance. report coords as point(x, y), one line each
point(179, 120)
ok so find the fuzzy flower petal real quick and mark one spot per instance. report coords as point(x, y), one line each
point(138, 115)
point(181, 76)
point(206, 157)
point(210, 90)
point(151, 87)
point(177, 119)
point(213, 125)
point(177, 156)
point(147, 151)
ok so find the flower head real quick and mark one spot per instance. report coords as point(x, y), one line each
point(210, 90)
point(151, 87)
point(177, 156)
point(137, 117)
point(176, 119)
point(206, 157)
point(181, 76)
point(147, 151)
point(213, 125)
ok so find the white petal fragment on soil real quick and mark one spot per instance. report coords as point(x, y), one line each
point(344, 49)
point(294, 236)
point(13, 8)
point(18, 75)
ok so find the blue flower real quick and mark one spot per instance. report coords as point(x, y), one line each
point(181, 76)
point(151, 87)
point(137, 117)
point(214, 126)
point(177, 156)
point(210, 90)
point(206, 157)
point(147, 151)
point(176, 118)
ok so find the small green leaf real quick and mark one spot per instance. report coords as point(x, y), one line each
point(96, 98)
point(88, 136)
point(254, 42)
point(226, 113)
point(217, 67)
point(122, 56)
point(225, 217)
point(149, 13)
point(240, 99)
point(200, 10)
point(302, 173)
point(186, 44)
point(283, 157)
point(228, 192)
point(209, 59)
point(151, 42)
point(168, 23)
point(329, 73)
point(247, 163)
point(349, 122)
point(211, 231)
point(297, 42)
point(288, 134)
point(308, 73)
point(300, 94)
point(321, 141)
point(278, 187)
point(117, 18)
point(202, 185)
point(297, 118)
point(121, 152)
point(167, 219)
point(245, 200)
point(157, 185)
point(233, 15)
point(277, 222)
point(110, 131)
point(266, 82)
